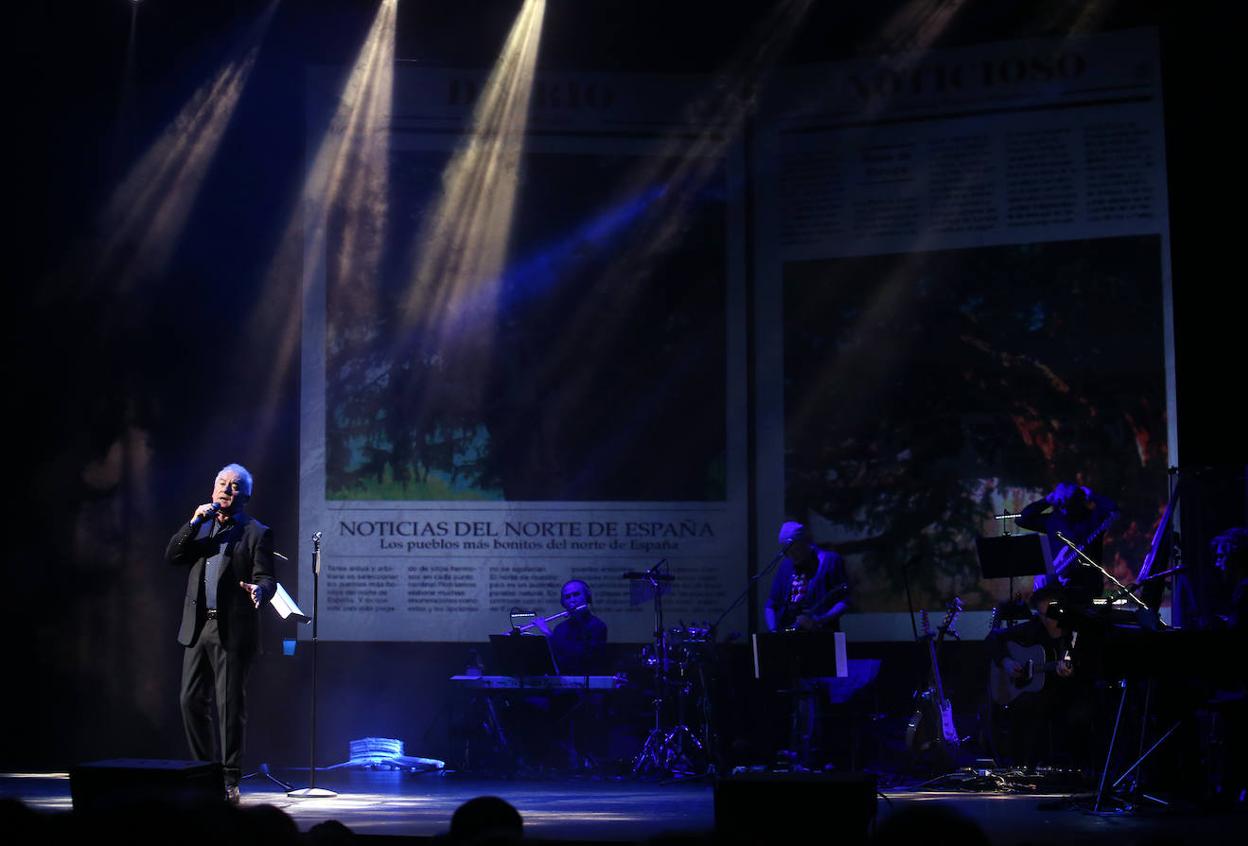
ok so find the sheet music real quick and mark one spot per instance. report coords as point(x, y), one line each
point(286, 607)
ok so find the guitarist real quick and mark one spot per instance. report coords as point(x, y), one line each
point(1061, 705)
point(809, 590)
point(1083, 516)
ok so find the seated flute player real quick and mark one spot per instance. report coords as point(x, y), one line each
point(579, 643)
point(567, 730)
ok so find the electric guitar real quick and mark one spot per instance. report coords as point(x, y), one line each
point(931, 725)
point(794, 610)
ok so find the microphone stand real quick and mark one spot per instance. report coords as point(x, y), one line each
point(263, 769)
point(1087, 560)
point(312, 791)
point(753, 580)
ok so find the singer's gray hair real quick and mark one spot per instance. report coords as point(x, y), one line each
point(244, 476)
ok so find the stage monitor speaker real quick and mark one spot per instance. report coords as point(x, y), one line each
point(119, 782)
point(791, 807)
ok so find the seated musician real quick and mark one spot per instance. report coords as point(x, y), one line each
point(579, 643)
point(574, 731)
point(1082, 516)
point(810, 589)
point(1048, 720)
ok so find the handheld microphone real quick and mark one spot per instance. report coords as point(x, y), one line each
point(198, 519)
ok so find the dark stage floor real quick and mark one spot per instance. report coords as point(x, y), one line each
point(390, 803)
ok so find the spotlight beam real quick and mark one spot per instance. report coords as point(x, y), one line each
point(147, 212)
point(347, 181)
point(682, 166)
point(462, 246)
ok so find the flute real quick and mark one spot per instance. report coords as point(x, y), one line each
point(548, 620)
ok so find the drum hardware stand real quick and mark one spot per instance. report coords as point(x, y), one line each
point(663, 749)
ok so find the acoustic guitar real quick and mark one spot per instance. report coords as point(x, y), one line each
point(1004, 689)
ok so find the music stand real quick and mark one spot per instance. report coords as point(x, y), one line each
point(794, 661)
point(1012, 556)
point(792, 655)
point(286, 607)
point(522, 655)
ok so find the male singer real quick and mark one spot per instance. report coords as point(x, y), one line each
point(230, 556)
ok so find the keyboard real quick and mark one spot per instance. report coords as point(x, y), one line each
point(540, 682)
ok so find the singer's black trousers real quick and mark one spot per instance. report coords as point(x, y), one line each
point(213, 675)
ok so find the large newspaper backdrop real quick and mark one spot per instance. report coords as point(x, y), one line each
point(961, 275)
point(594, 425)
point(962, 297)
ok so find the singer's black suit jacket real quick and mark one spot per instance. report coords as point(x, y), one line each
point(248, 558)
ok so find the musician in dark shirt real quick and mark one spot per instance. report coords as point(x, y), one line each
point(575, 721)
point(1082, 516)
point(809, 590)
point(1049, 720)
point(579, 643)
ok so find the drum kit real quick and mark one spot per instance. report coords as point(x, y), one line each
point(679, 659)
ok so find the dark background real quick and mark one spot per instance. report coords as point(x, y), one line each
point(126, 402)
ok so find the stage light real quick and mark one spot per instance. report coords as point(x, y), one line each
point(347, 181)
point(915, 27)
point(145, 216)
point(462, 245)
point(681, 167)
